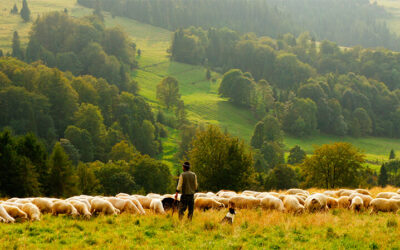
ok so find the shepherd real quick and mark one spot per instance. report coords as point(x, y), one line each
point(187, 185)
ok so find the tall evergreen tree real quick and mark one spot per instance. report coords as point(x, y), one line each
point(383, 177)
point(14, 10)
point(25, 11)
point(62, 179)
point(16, 47)
point(392, 155)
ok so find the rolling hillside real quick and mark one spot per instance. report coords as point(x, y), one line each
point(200, 96)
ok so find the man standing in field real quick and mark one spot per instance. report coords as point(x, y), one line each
point(187, 185)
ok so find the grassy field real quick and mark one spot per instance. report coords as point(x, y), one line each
point(10, 23)
point(393, 7)
point(252, 229)
point(337, 229)
point(200, 95)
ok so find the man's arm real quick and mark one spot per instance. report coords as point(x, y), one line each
point(179, 187)
point(197, 185)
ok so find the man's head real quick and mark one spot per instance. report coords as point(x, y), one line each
point(186, 166)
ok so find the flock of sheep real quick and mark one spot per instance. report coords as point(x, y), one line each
point(292, 201)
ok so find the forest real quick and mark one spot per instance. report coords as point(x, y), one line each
point(309, 88)
point(324, 19)
point(70, 96)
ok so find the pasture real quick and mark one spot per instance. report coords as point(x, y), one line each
point(252, 228)
point(336, 229)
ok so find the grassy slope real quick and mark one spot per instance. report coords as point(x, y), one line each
point(393, 7)
point(200, 96)
point(10, 23)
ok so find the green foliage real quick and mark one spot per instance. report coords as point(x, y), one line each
point(296, 155)
point(273, 154)
point(82, 141)
point(151, 175)
point(392, 155)
point(383, 176)
point(87, 48)
point(390, 173)
point(188, 132)
point(62, 180)
point(25, 11)
point(333, 166)
point(349, 23)
point(16, 47)
point(114, 177)
point(25, 112)
point(122, 151)
point(301, 118)
point(237, 87)
point(281, 177)
point(91, 114)
point(14, 10)
point(168, 92)
point(23, 168)
point(88, 183)
point(220, 161)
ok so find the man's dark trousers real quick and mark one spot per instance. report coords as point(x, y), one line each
point(187, 201)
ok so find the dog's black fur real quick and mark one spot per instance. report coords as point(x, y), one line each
point(170, 203)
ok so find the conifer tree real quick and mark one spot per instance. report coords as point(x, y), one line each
point(16, 47)
point(25, 11)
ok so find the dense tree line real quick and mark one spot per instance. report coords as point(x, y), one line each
point(27, 169)
point(82, 46)
point(87, 111)
point(347, 22)
point(309, 89)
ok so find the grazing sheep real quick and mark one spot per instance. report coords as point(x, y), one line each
point(154, 196)
point(316, 202)
point(100, 205)
point(145, 201)
point(292, 205)
point(5, 216)
point(272, 203)
point(344, 202)
point(63, 207)
point(198, 195)
point(224, 201)
point(386, 195)
point(366, 198)
point(330, 193)
point(275, 194)
point(344, 192)
point(136, 202)
point(123, 205)
point(245, 202)
point(363, 191)
point(297, 191)
point(332, 202)
point(207, 203)
point(357, 204)
point(15, 212)
point(300, 199)
point(81, 208)
point(157, 207)
point(23, 201)
point(121, 195)
point(31, 210)
point(385, 205)
point(44, 205)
